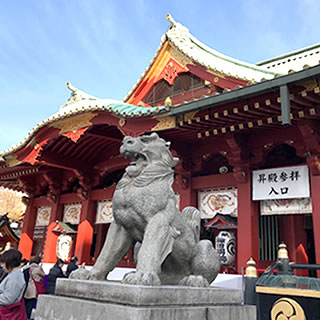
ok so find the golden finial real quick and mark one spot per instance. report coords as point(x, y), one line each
point(251, 270)
point(168, 101)
point(283, 252)
point(170, 19)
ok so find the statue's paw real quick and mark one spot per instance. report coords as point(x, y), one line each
point(96, 275)
point(80, 274)
point(140, 278)
point(194, 281)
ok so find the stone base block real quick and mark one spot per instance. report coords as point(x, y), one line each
point(95, 300)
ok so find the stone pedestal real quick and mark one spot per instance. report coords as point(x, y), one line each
point(95, 300)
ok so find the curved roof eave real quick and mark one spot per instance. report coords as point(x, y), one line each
point(117, 108)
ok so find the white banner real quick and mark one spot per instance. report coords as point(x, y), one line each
point(63, 247)
point(43, 216)
point(281, 183)
point(286, 206)
point(71, 213)
point(212, 202)
point(104, 211)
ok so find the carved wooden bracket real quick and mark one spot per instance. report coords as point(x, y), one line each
point(53, 180)
point(27, 186)
point(238, 155)
point(25, 200)
point(311, 137)
point(240, 175)
point(82, 194)
point(85, 180)
point(52, 196)
point(314, 165)
point(182, 181)
point(67, 183)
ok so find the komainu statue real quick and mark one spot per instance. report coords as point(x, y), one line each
point(145, 212)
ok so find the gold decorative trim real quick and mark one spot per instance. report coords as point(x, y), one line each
point(12, 161)
point(286, 308)
point(177, 55)
point(122, 122)
point(310, 85)
point(73, 123)
point(288, 291)
point(164, 124)
point(189, 116)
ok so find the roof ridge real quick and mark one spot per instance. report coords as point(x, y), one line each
point(289, 54)
point(184, 32)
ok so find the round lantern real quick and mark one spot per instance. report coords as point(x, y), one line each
point(226, 247)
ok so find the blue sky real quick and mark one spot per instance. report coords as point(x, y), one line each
point(102, 46)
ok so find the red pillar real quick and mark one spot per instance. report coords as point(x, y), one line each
point(26, 238)
point(315, 187)
point(49, 255)
point(248, 228)
point(293, 225)
point(183, 186)
point(85, 230)
point(101, 236)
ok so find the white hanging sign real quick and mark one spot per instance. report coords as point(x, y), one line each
point(43, 216)
point(212, 202)
point(104, 212)
point(63, 248)
point(281, 183)
point(286, 206)
point(71, 213)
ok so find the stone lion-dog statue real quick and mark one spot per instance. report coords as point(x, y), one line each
point(145, 212)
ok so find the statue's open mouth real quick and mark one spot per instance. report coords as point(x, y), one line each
point(136, 158)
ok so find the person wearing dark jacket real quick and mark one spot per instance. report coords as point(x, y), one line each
point(55, 273)
point(73, 265)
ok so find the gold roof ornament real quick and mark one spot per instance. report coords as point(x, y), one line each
point(77, 95)
point(170, 19)
point(283, 252)
point(251, 270)
point(168, 101)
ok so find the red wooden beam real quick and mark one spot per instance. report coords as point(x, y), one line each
point(55, 160)
point(213, 181)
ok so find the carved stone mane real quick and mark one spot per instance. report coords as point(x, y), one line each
point(145, 213)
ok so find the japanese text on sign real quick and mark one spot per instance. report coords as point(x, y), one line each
point(281, 183)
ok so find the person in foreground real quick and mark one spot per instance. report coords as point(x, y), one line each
point(35, 285)
point(54, 273)
point(12, 287)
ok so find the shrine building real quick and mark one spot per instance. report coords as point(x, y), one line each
point(247, 136)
